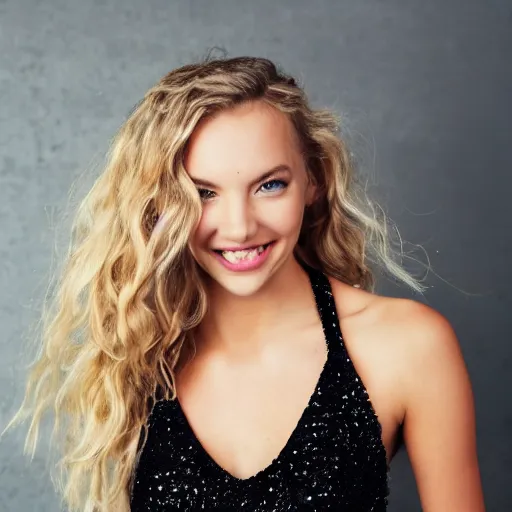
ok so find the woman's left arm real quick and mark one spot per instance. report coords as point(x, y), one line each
point(439, 420)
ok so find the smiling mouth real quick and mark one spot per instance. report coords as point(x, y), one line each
point(244, 254)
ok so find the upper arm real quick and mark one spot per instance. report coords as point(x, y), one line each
point(439, 421)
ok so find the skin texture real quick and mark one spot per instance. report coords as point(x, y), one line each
point(260, 348)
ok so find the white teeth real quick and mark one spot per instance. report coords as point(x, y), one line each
point(236, 256)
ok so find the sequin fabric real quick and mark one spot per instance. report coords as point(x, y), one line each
point(333, 460)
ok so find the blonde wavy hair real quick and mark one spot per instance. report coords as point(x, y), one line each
point(129, 295)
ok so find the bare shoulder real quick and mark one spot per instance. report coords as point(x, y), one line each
point(392, 342)
point(411, 359)
point(409, 329)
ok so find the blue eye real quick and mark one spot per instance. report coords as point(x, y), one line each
point(274, 185)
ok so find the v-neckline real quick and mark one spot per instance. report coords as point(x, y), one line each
point(289, 442)
point(291, 438)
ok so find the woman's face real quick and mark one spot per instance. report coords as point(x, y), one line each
point(250, 174)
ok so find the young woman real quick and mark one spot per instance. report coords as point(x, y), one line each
point(216, 343)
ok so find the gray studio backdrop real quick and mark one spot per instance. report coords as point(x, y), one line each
point(425, 87)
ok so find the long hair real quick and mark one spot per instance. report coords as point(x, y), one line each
point(129, 292)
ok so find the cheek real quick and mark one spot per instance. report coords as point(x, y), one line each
point(283, 217)
point(203, 230)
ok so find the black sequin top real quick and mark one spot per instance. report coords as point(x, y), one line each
point(334, 459)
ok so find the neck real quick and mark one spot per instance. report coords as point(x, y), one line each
point(240, 325)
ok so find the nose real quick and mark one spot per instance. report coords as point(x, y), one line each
point(237, 221)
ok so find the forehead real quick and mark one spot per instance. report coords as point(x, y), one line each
point(250, 138)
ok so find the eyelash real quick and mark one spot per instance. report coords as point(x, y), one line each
point(204, 191)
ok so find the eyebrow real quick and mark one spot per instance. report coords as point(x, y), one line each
point(276, 169)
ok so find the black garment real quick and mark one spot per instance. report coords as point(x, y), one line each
point(334, 459)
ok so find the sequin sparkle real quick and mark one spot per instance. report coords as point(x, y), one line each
point(334, 459)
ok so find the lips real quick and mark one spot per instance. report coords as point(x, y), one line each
point(242, 249)
point(248, 258)
point(234, 255)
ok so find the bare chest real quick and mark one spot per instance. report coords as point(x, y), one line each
point(245, 414)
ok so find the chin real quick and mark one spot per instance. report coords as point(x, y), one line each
point(242, 286)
